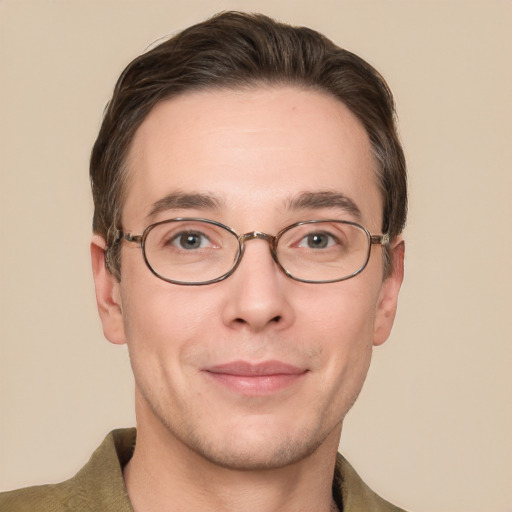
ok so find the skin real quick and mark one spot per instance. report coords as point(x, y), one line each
point(203, 445)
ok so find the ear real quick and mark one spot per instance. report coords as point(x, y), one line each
point(388, 300)
point(108, 296)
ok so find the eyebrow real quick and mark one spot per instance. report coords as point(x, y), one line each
point(302, 201)
point(184, 201)
point(324, 199)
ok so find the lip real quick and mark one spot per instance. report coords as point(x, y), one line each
point(258, 379)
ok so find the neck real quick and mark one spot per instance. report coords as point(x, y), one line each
point(166, 475)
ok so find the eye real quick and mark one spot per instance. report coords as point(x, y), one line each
point(317, 240)
point(190, 240)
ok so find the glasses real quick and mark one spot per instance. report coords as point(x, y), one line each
point(194, 251)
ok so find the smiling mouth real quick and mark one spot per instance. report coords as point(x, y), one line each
point(256, 379)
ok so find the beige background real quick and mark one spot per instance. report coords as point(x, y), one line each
point(432, 428)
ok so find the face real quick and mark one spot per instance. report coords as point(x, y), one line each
point(258, 370)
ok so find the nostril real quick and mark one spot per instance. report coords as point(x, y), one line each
point(275, 320)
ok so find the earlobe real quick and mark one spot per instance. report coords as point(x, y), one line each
point(108, 297)
point(388, 300)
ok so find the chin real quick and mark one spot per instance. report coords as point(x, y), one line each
point(255, 447)
point(243, 456)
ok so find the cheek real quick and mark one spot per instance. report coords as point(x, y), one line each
point(343, 311)
point(340, 323)
point(163, 323)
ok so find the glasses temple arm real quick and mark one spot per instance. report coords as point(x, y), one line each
point(119, 235)
point(380, 239)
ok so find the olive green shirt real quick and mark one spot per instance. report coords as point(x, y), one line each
point(99, 485)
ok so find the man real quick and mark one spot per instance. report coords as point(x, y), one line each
point(250, 192)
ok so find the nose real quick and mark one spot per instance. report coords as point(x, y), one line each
point(257, 297)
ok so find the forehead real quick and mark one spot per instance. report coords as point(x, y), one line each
point(252, 149)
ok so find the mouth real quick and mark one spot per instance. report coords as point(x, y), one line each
point(260, 379)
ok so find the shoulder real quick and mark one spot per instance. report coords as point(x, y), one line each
point(355, 494)
point(98, 486)
point(43, 498)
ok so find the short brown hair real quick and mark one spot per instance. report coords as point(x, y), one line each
point(233, 50)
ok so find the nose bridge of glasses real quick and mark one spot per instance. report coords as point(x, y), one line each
point(254, 235)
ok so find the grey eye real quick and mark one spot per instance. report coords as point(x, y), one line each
point(319, 240)
point(190, 240)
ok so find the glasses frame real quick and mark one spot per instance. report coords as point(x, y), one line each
point(242, 239)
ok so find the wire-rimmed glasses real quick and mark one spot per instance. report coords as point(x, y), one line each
point(196, 251)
